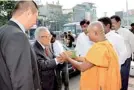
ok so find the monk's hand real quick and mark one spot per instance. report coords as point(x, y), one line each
point(80, 59)
point(64, 56)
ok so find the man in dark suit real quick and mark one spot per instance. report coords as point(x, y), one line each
point(18, 66)
point(47, 62)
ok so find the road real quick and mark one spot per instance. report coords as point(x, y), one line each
point(74, 83)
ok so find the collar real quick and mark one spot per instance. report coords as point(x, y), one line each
point(19, 24)
point(41, 45)
point(107, 34)
point(119, 29)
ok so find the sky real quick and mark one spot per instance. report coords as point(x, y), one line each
point(109, 6)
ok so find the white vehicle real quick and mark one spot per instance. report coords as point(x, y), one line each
point(128, 27)
point(31, 32)
point(132, 68)
point(75, 28)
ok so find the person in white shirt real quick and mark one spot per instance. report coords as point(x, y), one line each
point(62, 69)
point(115, 39)
point(83, 44)
point(129, 37)
point(57, 47)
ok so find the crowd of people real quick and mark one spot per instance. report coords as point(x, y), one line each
point(103, 54)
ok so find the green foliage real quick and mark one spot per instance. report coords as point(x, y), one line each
point(6, 7)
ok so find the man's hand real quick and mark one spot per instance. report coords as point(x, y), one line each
point(60, 60)
point(68, 53)
point(64, 56)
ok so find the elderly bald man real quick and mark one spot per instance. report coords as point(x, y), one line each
point(100, 67)
point(47, 62)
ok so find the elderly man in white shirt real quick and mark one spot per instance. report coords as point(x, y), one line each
point(83, 44)
point(129, 37)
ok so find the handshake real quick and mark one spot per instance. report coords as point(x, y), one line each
point(65, 56)
point(71, 54)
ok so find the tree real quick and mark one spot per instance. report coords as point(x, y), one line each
point(6, 8)
point(67, 17)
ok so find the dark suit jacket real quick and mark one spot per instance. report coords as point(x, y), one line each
point(47, 68)
point(18, 66)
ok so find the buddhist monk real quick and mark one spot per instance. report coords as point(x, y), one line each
point(100, 67)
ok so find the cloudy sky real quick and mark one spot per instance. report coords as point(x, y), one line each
point(109, 6)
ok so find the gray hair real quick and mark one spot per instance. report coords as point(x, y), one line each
point(38, 30)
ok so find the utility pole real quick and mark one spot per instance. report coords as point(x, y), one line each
point(127, 15)
point(105, 14)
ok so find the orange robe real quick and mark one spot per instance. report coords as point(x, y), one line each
point(105, 75)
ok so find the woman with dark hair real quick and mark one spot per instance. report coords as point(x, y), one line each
point(70, 40)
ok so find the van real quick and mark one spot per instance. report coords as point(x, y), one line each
point(75, 28)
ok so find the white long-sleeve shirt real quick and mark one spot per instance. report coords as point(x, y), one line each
point(57, 48)
point(119, 45)
point(83, 44)
point(129, 40)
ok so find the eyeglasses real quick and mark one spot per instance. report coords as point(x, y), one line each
point(48, 36)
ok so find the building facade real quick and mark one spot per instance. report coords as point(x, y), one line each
point(126, 18)
point(84, 11)
point(50, 15)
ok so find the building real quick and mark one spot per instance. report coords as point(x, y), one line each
point(125, 18)
point(50, 15)
point(84, 11)
point(130, 17)
point(38, 2)
point(49, 10)
point(69, 13)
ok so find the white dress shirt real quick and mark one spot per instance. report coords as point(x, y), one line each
point(57, 48)
point(19, 24)
point(119, 45)
point(83, 44)
point(129, 40)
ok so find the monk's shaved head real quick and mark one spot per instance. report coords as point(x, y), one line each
point(96, 26)
point(96, 31)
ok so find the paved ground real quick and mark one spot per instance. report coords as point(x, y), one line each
point(74, 83)
point(131, 83)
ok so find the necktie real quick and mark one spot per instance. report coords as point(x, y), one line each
point(47, 51)
point(117, 32)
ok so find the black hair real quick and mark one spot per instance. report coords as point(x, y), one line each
point(132, 24)
point(117, 18)
point(106, 21)
point(53, 34)
point(84, 22)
